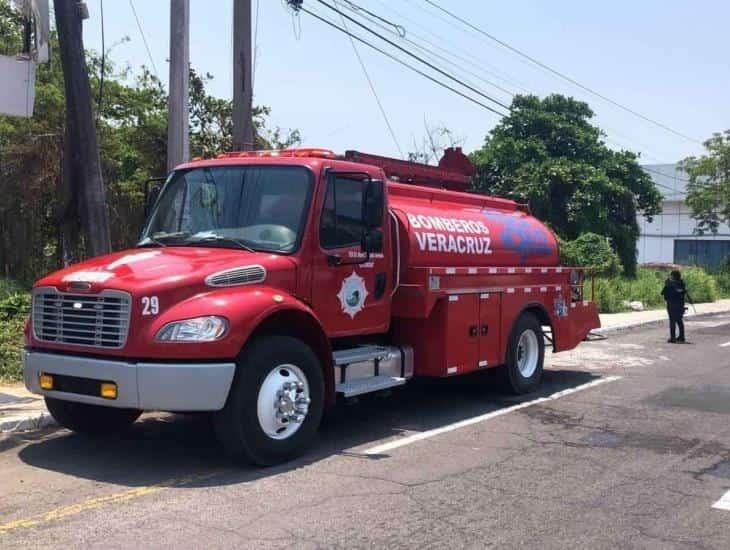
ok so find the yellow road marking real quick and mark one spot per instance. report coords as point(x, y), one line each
point(99, 502)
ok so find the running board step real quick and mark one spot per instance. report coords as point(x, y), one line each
point(370, 384)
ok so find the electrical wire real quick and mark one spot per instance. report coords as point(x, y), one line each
point(401, 62)
point(426, 50)
point(559, 74)
point(416, 57)
point(372, 88)
point(470, 59)
point(102, 70)
point(477, 64)
point(144, 39)
point(255, 47)
point(399, 29)
point(683, 180)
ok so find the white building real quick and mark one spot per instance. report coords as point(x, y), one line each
point(671, 236)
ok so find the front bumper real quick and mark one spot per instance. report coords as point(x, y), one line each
point(174, 387)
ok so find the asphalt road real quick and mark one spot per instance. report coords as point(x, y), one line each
point(627, 446)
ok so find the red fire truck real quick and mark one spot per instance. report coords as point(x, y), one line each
point(266, 284)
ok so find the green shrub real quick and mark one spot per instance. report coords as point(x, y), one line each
point(591, 250)
point(8, 286)
point(14, 309)
point(607, 294)
point(722, 279)
point(11, 344)
point(612, 293)
point(646, 288)
point(15, 305)
point(701, 286)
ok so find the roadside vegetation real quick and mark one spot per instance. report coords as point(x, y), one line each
point(614, 294)
point(14, 309)
point(614, 291)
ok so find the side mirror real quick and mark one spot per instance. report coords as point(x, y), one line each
point(373, 204)
point(372, 241)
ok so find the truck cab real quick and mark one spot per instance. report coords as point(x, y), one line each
point(265, 284)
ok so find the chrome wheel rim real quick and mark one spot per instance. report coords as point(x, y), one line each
point(283, 401)
point(528, 353)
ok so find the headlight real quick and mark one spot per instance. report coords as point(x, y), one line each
point(199, 329)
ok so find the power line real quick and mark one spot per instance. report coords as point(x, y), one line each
point(144, 39)
point(418, 58)
point(560, 74)
point(470, 59)
point(372, 88)
point(430, 53)
point(103, 64)
point(399, 29)
point(683, 180)
point(255, 47)
point(400, 61)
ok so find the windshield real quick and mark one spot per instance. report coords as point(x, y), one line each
point(256, 207)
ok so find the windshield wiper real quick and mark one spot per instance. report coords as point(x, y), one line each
point(219, 239)
point(160, 238)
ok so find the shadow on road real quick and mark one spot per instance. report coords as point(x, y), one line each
point(161, 447)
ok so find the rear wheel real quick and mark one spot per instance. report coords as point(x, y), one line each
point(525, 355)
point(275, 404)
point(90, 419)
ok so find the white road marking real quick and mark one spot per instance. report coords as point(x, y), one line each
point(723, 503)
point(385, 447)
point(725, 345)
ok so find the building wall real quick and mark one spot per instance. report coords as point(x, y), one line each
point(659, 238)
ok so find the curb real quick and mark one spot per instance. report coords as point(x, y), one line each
point(25, 423)
point(620, 328)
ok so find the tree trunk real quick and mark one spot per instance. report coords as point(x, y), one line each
point(82, 148)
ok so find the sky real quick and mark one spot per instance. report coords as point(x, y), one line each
point(666, 60)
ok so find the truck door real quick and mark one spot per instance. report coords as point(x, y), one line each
point(351, 289)
point(490, 317)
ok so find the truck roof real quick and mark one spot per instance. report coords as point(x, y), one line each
point(447, 182)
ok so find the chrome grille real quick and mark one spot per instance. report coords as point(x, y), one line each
point(244, 275)
point(98, 320)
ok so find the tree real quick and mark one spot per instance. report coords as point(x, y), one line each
point(708, 191)
point(131, 122)
point(591, 250)
point(547, 153)
point(433, 143)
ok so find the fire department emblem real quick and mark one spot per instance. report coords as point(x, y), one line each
point(352, 294)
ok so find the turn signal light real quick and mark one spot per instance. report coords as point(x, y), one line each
point(108, 390)
point(46, 381)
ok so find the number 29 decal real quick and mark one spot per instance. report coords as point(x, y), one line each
point(150, 305)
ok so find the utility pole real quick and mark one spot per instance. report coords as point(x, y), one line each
point(243, 134)
point(82, 164)
point(178, 146)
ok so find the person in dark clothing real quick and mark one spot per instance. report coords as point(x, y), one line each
point(674, 293)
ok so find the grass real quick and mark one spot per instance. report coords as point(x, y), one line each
point(612, 294)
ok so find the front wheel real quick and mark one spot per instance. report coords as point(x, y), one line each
point(275, 404)
point(525, 355)
point(90, 419)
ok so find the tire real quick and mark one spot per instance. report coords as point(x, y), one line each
point(90, 419)
point(252, 430)
point(525, 356)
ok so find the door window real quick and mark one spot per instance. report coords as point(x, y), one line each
point(342, 224)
